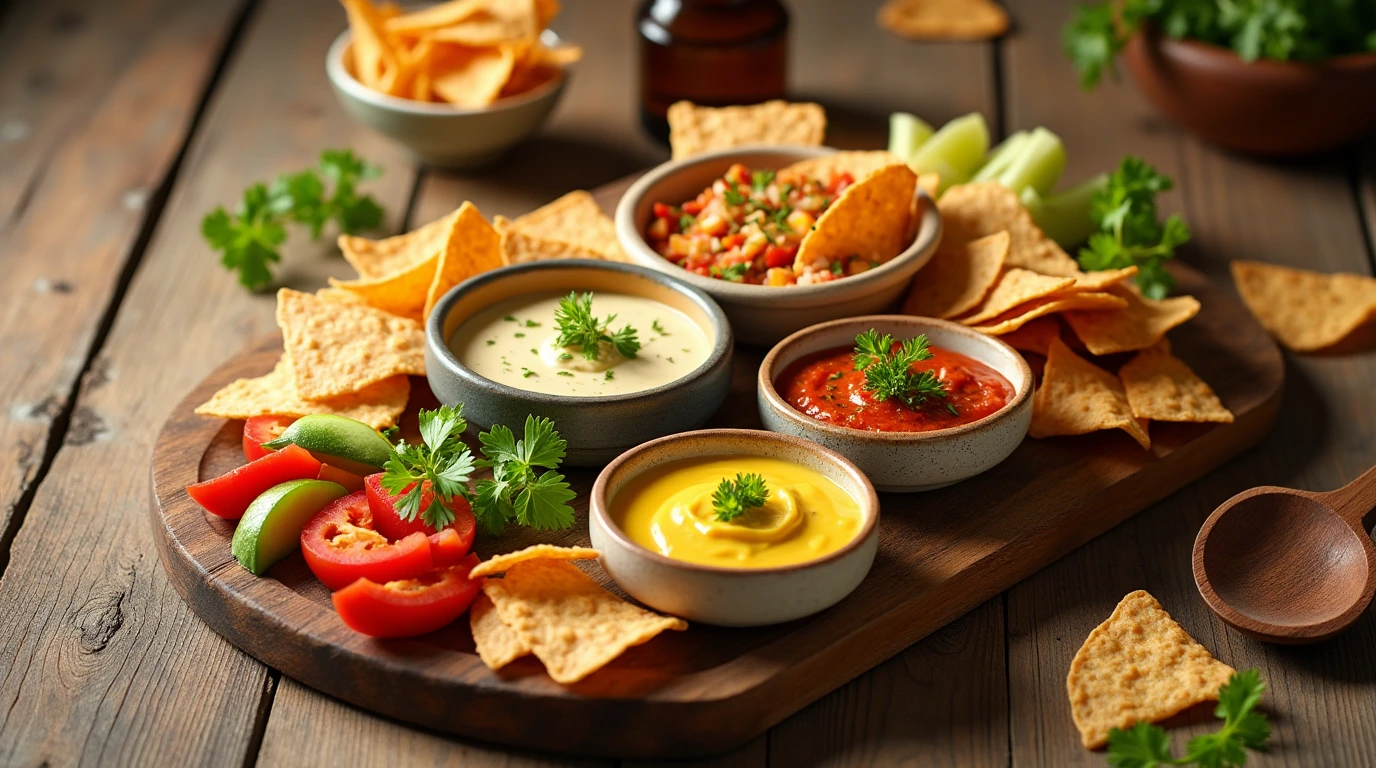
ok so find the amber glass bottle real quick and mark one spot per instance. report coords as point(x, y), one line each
point(712, 52)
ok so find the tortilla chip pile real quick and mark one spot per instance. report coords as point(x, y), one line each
point(998, 273)
point(694, 130)
point(944, 19)
point(349, 348)
point(1306, 311)
point(1138, 666)
point(468, 53)
point(547, 607)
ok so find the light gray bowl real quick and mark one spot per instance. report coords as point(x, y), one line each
point(733, 597)
point(441, 134)
point(597, 428)
point(764, 314)
point(906, 461)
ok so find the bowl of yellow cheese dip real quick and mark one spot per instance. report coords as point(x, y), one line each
point(614, 354)
point(735, 527)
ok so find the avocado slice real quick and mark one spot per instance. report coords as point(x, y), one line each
point(271, 528)
point(338, 441)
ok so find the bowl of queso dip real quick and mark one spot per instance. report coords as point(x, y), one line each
point(916, 403)
point(614, 354)
point(735, 527)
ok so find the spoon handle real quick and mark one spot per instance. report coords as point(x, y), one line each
point(1356, 501)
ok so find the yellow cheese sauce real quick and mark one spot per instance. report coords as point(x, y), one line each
point(668, 509)
point(514, 342)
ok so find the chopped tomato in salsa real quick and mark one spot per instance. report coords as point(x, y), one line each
point(826, 386)
point(748, 225)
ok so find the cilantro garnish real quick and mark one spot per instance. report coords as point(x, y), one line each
point(685, 221)
point(1130, 231)
point(733, 196)
point(442, 464)
point(759, 180)
point(248, 239)
point(578, 327)
point(734, 272)
point(889, 373)
point(1146, 746)
point(657, 328)
point(837, 268)
point(736, 496)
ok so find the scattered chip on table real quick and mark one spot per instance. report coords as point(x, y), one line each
point(378, 405)
point(1014, 288)
point(1139, 325)
point(498, 645)
point(957, 279)
point(1035, 336)
point(473, 248)
point(1077, 397)
point(1161, 387)
point(499, 563)
point(337, 349)
point(869, 220)
point(571, 624)
point(944, 19)
point(694, 130)
point(1056, 303)
point(374, 259)
point(1138, 666)
point(1305, 310)
point(971, 211)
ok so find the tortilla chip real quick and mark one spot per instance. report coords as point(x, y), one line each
point(339, 295)
point(519, 248)
point(869, 220)
point(474, 247)
point(1138, 666)
point(971, 211)
point(495, 22)
point(499, 563)
point(574, 221)
point(1160, 386)
point(436, 16)
point(1077, 397)
point(374, 61)
point(471, 77)
point(1139, 325)
point(375, 259)
point(956, 279)
point(1049, 305)
point(944, 19)
point(859, 164)
point(1305, 310)
point(498, 645)
point(694, 130)
point(378, 405)
point(341, 348)
point(1036, 336)
point(1016, 287)
point(1103, 280)
point(570, 623)
point(401, 294)
point(929, 183)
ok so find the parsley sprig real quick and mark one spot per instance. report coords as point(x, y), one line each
point(248, 238)
point(1146, 746)
point(889, 373)
point(578, 327)
point(524, 488)
point(736, 496)
point(1130, 230)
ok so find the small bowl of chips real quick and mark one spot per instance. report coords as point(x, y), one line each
point(459, 83)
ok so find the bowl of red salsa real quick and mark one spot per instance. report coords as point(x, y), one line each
point(916, 403)
point(730, 223)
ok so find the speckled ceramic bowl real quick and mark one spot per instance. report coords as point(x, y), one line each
point(596, 428)
point(763, 314)
point(733, 597)
point(906, 461)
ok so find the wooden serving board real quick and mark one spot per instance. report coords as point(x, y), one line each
point(710, 689)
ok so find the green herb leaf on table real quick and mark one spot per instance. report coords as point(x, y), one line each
point(1129, 229)
point(579, 327)
point(442, 462)
point(518, 492)
point(889, 373)
point(1145, 745)
point(736, 496)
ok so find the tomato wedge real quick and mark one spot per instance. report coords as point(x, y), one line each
point(262, 429)
point(390, 524)
point(408, 607)
point(341, 546)
point(230, 494)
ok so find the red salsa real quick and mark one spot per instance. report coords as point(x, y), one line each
point(826, 386)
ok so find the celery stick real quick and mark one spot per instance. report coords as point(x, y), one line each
point(1001, 157)
point(1065, 217)
point(907, 133)
point(1038, 165)
point(955, 151)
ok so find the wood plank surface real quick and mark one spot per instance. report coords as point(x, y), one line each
point(1299, 213)
point(102, 662)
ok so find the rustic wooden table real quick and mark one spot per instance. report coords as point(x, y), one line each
point(122, 123)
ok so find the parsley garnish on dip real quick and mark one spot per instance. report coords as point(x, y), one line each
point(739, 511)
point(585, 344)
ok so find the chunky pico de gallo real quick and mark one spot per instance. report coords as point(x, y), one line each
point(748, 225)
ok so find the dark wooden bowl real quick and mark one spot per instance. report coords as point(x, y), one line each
point(1262, 107)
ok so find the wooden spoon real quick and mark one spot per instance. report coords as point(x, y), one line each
point(1289, 566)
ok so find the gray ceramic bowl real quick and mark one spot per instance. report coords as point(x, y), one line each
point(906, 461)
point(762, 314)
point(441, 134)
point(597, 428)
point(734, 597)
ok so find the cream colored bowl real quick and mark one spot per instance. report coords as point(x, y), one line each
point(733, 597)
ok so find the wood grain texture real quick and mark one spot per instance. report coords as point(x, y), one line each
point(101, 661)
point(1295, 213)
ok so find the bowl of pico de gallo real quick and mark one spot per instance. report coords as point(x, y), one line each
point(783, 237)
